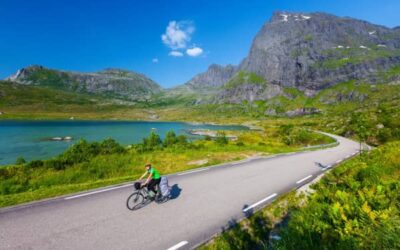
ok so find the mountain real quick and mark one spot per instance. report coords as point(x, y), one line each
point(115, 83)
point(306, 51)
point(244, 86)
point(314, 51)
point(214, 77)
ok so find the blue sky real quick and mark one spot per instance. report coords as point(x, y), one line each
point(169, 41)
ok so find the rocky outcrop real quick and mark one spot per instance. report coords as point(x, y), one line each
point(248, 92)
point(214, 77)
point(315, 51)
point(352, 96)
point(302, 111)
point(116, 83)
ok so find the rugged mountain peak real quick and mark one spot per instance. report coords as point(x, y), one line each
point(23, 72)
point(316, 50)
point(285, 16)
point(214, 77)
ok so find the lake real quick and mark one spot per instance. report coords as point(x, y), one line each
point(31, 139)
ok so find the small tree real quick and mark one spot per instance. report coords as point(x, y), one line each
point(110, 146)
point(170, 138)
point(152, 141)
point(20, 160)
point(360, 125)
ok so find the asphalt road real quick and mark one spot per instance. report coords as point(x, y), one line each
point(205, 200)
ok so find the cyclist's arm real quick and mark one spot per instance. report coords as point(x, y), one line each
point(141, 177)
point(148, 179)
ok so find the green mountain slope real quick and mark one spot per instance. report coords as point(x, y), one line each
point(115, 83)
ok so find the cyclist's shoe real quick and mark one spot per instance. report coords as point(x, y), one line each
point(151, 195)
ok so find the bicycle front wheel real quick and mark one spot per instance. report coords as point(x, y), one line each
point(135, 201)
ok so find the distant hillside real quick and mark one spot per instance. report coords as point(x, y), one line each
point(15, 95)
point(116, 83)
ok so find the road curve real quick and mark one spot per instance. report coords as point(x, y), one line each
point(204, 202)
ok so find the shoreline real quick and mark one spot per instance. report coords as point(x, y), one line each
point(193, 123)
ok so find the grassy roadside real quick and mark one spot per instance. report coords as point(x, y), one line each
point(355, 206)
point(89, 165)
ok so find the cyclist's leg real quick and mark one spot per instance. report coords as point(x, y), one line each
point(151, 185)
point(158, 186)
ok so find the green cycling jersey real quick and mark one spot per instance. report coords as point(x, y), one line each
point(154, 173)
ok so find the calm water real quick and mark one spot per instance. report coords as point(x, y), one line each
point(29, 139)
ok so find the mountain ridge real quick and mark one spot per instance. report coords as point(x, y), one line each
point(113, 82)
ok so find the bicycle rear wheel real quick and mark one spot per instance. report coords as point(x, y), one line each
point(135, 201)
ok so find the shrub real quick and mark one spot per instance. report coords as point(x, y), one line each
point(221, 138)
point(35, 164)
point(240, 144)
point(384, 135)
point(303, 136)
point(80, 152)
point(55, 164)
point(182, 140)
point(151, 142)
point(20, 160)
point(110, 146)
point(3, 173)
point(207, 138)
point(288, 140)
point(286, 129)
point(170, 138)
point(83, 151)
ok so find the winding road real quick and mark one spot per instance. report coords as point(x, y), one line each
point(204, 201)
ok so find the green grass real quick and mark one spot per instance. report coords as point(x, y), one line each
point(22, 95)
point(243, 77)
point(337, 58)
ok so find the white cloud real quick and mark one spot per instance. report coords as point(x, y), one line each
point(195, 51)
point(177, 34)
point(175, 53)
point(155, 60)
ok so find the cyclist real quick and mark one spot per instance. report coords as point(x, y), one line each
point(152, 180)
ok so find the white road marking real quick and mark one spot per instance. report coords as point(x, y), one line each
point(195, 171)
point(305, 178)
point(259, 202)
point(325, 168)
point(96, 192)
point(179, 245)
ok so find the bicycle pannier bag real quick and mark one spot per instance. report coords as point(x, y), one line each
point(165, 189)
